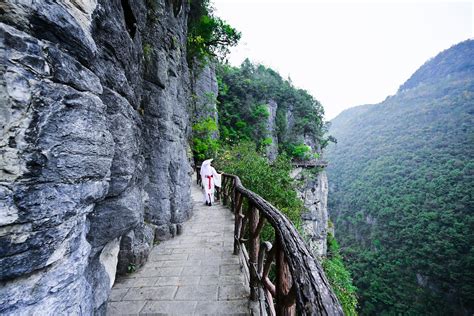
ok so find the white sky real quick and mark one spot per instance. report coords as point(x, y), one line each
point(345, 53)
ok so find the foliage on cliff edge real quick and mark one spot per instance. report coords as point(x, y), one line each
point(244, 96)
point(208, 35)
point(340, 278)
point(271, 181)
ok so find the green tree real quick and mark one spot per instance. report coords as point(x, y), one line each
point(208, 35)
point(204, 143)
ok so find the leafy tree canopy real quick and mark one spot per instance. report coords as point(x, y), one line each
point(208, 35)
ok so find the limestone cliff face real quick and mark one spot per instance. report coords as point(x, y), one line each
point(272, 149)
point(312, 184)
point(204, 92)
point(313, 190)
point(93, 156)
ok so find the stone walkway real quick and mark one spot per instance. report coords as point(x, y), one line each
point(192, 274)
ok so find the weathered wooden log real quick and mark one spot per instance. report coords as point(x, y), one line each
point(245, 220)
point(284, 284)
point(254, 244)
point(238, 223)
point(234, 193)
point(224, 190)
point(263, 269)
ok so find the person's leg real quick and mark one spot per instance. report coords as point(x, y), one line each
point(211, 196)
point(206, 197)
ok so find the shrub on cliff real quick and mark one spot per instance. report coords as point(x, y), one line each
point(204, 144)
point(339, 277)
point(271, 181)
point(208, 35)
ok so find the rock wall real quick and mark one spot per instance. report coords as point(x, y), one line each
point(312, 182)
point(313, 190)
point(204, 91)
point(272, 149)
point(93, 151)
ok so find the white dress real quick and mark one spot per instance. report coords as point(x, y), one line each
point(210, 178)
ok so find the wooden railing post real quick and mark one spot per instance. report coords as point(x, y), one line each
point(254, 245)
point(267, 252)
point(234, 192)
point(237, 222)
point(224, 189)
point(285, 298)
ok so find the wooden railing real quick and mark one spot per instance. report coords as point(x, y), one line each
point(300, 286)
point(310, 163)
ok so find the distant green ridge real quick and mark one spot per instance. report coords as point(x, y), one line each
point(401, 191)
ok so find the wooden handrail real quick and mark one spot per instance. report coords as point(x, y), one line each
point(301, 285)
point(310, 163)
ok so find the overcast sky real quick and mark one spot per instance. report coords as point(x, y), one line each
point(345, 53)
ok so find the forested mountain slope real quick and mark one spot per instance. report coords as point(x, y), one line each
point(256, 103)
point(401, 191)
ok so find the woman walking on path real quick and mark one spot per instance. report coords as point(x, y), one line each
point(209, 179)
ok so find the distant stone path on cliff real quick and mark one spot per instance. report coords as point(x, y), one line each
point(194, 273)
